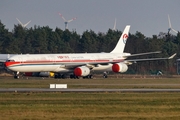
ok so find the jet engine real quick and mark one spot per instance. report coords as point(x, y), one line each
point(81, 71)
point(119, 67)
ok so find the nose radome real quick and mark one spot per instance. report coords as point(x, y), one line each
point(6, 64)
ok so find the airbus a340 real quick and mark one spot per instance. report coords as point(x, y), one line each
point(80, 65)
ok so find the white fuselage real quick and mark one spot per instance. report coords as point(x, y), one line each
point(63, 62)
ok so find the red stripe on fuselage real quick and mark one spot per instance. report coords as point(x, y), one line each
point(7, 64)
point(11, 63)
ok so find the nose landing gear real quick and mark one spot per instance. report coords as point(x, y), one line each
point(16, 75)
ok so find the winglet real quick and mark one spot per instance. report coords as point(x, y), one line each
point(172, 56)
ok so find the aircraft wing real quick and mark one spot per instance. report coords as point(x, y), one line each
point(130, 61)
point(139, 54)
point(151, 59)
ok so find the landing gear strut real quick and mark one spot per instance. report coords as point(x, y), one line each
point(105, 75)
point(16, 75)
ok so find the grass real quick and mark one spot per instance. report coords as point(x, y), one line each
point(9, 82)
point(87, 106)
point(90, 106)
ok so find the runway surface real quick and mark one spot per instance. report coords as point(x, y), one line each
point(83, 90)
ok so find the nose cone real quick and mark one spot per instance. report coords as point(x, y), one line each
point(9, 63)
point(6, 64)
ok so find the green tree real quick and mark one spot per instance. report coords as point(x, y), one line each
point(40, 43)
point(4, 37)
point(88, 42)
point(19, 34)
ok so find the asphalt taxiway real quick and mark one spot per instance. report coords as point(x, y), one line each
point(83, 90)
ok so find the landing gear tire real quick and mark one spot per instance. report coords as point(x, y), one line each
point(55, 76)
point(88, 77)
point(61, 76)
point(16, 77)
point(105, 76)
point(72, 76)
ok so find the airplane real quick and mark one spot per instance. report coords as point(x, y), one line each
point(79, 64)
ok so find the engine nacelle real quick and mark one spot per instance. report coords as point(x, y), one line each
point(119, 67)
point(81, 71)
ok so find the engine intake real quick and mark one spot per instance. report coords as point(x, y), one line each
point(119, 67)
point(81, 71)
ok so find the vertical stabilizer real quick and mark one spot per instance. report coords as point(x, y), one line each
point(122, 41)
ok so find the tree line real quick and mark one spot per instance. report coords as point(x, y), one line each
point(46, 40)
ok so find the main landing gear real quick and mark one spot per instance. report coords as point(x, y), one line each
point(61, 76)
point(71, 76)
point(64, 76)
point(105, 75)
point(88, 77)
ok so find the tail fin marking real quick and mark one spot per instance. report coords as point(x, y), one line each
point(122, 41)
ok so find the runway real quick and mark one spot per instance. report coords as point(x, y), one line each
point(21, 90)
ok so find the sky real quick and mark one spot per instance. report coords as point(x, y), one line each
point(150, 17)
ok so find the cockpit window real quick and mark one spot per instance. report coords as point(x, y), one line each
point(10, 61)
